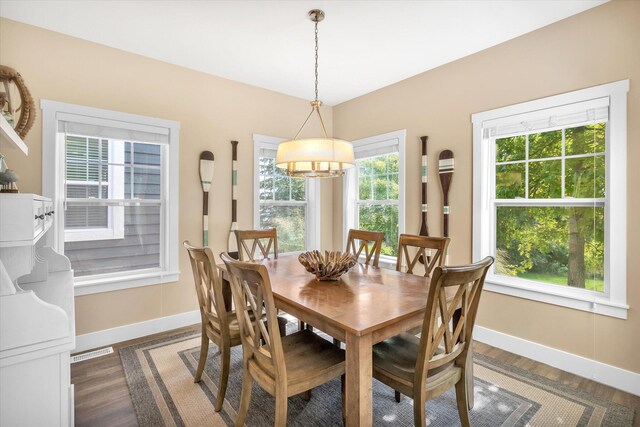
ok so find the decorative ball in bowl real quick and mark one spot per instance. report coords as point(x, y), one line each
point(329, 266)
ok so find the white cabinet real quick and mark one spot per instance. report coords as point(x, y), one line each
point(37, 321)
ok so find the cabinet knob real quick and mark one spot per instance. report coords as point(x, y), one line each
point(39, 216)
point(50, 213)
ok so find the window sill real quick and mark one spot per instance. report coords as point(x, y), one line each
point(575, 300)
point(88, 286)
point(387, 262)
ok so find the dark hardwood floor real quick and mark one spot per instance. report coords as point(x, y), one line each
point(102, 397)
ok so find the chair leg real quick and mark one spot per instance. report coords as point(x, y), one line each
point(245, 397)
point(419, 411)
point(344, 406)
point(306, 395)
point(337, 342)
point(398, 396)
point(462, 402)
point(282, 326)
point(281, 410)
point(204, 351)
point(225, 359)
point(302, 326)
point(468, 368)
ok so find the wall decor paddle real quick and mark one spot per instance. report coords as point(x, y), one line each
point(232, 246)
point(445, 168)
point(206, 177)
point(424, 227)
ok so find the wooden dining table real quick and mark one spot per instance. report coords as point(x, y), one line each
point(365, 306)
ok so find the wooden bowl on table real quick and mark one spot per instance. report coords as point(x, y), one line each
point(329, 266)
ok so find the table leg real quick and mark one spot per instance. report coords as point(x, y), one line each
point(358, 393)
point(226, 294)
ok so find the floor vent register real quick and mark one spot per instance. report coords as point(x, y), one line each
point(91, 354)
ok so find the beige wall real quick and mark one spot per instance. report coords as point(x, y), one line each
point(594, 47)
point(598, 46)
point(212, 111)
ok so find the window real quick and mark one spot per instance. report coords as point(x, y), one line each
point(90, 175)
point(374, 190)
point(550, 198)
point(114, 185)
point(285, 203)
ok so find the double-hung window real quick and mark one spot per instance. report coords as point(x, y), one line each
point(113, 177)
point(374, 190)
point(550, 199)
point(287, 204)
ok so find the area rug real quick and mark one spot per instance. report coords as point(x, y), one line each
point(160, 372)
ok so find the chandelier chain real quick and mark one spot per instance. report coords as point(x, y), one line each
point(316, 22)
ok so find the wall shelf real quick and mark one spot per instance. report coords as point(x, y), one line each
point(9, 138)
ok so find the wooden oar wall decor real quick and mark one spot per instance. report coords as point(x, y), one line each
point(206, 177)
point(424, 227)
point(446, 165)
point(232, 246)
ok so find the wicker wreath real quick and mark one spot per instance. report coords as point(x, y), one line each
point(26, 108)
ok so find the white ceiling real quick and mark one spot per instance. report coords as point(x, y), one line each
point(364, 45)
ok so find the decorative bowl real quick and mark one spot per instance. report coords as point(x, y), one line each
point(329, 266)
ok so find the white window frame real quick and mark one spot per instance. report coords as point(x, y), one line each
point(312, 191)
point(115, 215)
point(53, 177)
point(350, 186)
point(613, 302)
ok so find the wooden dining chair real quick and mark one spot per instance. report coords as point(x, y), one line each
point(218, 324)
point(251, 240)
point(368, 241)
point(424, 368)
point(418, 249)
point(282, 366)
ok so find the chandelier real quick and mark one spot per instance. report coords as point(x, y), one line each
point(315, 157)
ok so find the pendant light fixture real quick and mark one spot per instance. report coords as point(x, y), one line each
point(315, 157)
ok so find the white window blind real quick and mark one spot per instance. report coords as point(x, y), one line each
point(268, 152)
point(594, 110)
point(111, 129)
point(364, 151)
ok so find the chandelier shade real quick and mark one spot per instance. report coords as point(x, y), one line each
point(315, 157)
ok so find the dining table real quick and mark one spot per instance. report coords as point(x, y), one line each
point(366, 305)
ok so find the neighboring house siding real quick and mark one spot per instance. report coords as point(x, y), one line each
point(140, 247)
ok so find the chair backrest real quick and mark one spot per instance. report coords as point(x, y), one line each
point(415, 248)
point(256, 311)
point(369, 241)
point(250, 240)
point(208, 287)
point(452, 304)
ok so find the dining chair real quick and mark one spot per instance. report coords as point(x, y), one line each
point(424, 368)
point(218, 324)
point(429, 251)
point(251, 240)
point(368, 241)
point(282, 366)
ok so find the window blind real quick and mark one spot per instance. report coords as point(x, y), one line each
point(594, 110)
point(268, 152)
point(111, 129)
point(378, 148)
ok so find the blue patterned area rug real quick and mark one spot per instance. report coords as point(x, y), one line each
point(160, 372)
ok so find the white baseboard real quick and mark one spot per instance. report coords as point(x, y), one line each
point(135, 330)
point(587, 368)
